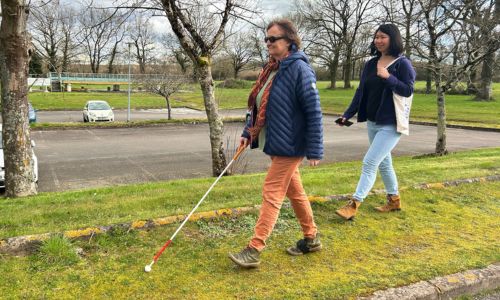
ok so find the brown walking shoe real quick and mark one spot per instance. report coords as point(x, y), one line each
point(349, 210)
point(393, 203)
point(247, 258)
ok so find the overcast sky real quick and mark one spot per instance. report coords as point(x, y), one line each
point(276, 7)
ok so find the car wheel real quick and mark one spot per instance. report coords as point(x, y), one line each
point(85, 119)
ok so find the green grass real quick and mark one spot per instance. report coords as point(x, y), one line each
point(122, 124)
point(57, 250)
point(461, 109)
point(439, 232)
point(52, 212)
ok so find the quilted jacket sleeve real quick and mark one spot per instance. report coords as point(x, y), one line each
point(308, 97)
point(354, 106)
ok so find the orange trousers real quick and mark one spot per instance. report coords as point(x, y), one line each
point(283, 179)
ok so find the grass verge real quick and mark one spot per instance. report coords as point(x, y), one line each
point(119, 124)
point(439, 232)
point(54, 212)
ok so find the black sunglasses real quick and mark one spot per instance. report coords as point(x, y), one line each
point(273, 39)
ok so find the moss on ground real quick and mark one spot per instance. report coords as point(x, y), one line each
point(440, 231)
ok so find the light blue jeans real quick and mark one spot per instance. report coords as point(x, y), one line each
point(383, 138)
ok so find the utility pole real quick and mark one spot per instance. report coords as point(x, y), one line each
point(128, 106)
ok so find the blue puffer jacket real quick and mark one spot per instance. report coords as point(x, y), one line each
point(294, 125)
point(400, 81)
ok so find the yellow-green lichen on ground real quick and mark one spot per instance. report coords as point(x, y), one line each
point(440, 231)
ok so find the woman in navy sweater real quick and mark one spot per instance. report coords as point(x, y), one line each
point(285, 121)
point(373, 102)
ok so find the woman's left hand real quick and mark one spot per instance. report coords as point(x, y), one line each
point(382, 72)
point(314, 162)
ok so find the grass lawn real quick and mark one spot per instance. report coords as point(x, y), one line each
point(52, 212)
point(439, 231)
point(461, 109)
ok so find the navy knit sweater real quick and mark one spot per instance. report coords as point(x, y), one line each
point(400, 81)
point(294, 125)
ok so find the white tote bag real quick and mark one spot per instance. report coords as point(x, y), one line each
point(402, 106)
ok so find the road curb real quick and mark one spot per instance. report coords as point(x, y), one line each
point(27, 244)
point(457, 126)
point(468, 127)
point(446, 287)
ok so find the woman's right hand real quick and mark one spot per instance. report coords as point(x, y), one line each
point(244, 142)
point(343, 121)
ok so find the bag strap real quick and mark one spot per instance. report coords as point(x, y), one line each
point(397, 58)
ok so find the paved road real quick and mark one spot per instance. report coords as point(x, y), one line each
point(76, 159)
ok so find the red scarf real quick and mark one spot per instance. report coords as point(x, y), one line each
point(260, 120)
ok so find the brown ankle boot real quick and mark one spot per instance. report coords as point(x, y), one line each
point(393, 203)
point(349, 210)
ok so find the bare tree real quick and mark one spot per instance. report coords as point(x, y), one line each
point(333, 28)
point(15, 53)
point(335, 25)
point(325, 34)
point(486, 20)
point(239, 50)
point(443, 19)
point(98, 27)
point(143, 40)
point(171, 43)
point(259, 51)
point(199, 25)
point(405, 14)
point(163, 83)
point(69, 41)
point(46, 26)
point(116, 40)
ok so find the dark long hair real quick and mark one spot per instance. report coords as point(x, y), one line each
point(290, 30)
point(395, 40)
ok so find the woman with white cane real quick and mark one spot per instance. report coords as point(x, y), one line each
point(285, 121)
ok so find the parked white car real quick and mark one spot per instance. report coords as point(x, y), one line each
point(2, 162)
point(98, 111)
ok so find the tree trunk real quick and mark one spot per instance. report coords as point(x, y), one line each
point(169, 109)
point(333, 78)
point(334, 67)
point(111, 60)
point(428, 82)
point(471, 84)
point(65, 62)
point(441, 118)
point(215, 123)
point(15, 55)
point(347, 69)
point(408, 38)
point(485, 88)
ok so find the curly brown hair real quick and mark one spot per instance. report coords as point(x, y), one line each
point(290, 30)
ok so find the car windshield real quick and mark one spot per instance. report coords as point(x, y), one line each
point(98, 106)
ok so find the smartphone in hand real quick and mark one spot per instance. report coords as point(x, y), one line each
point(345, 123)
